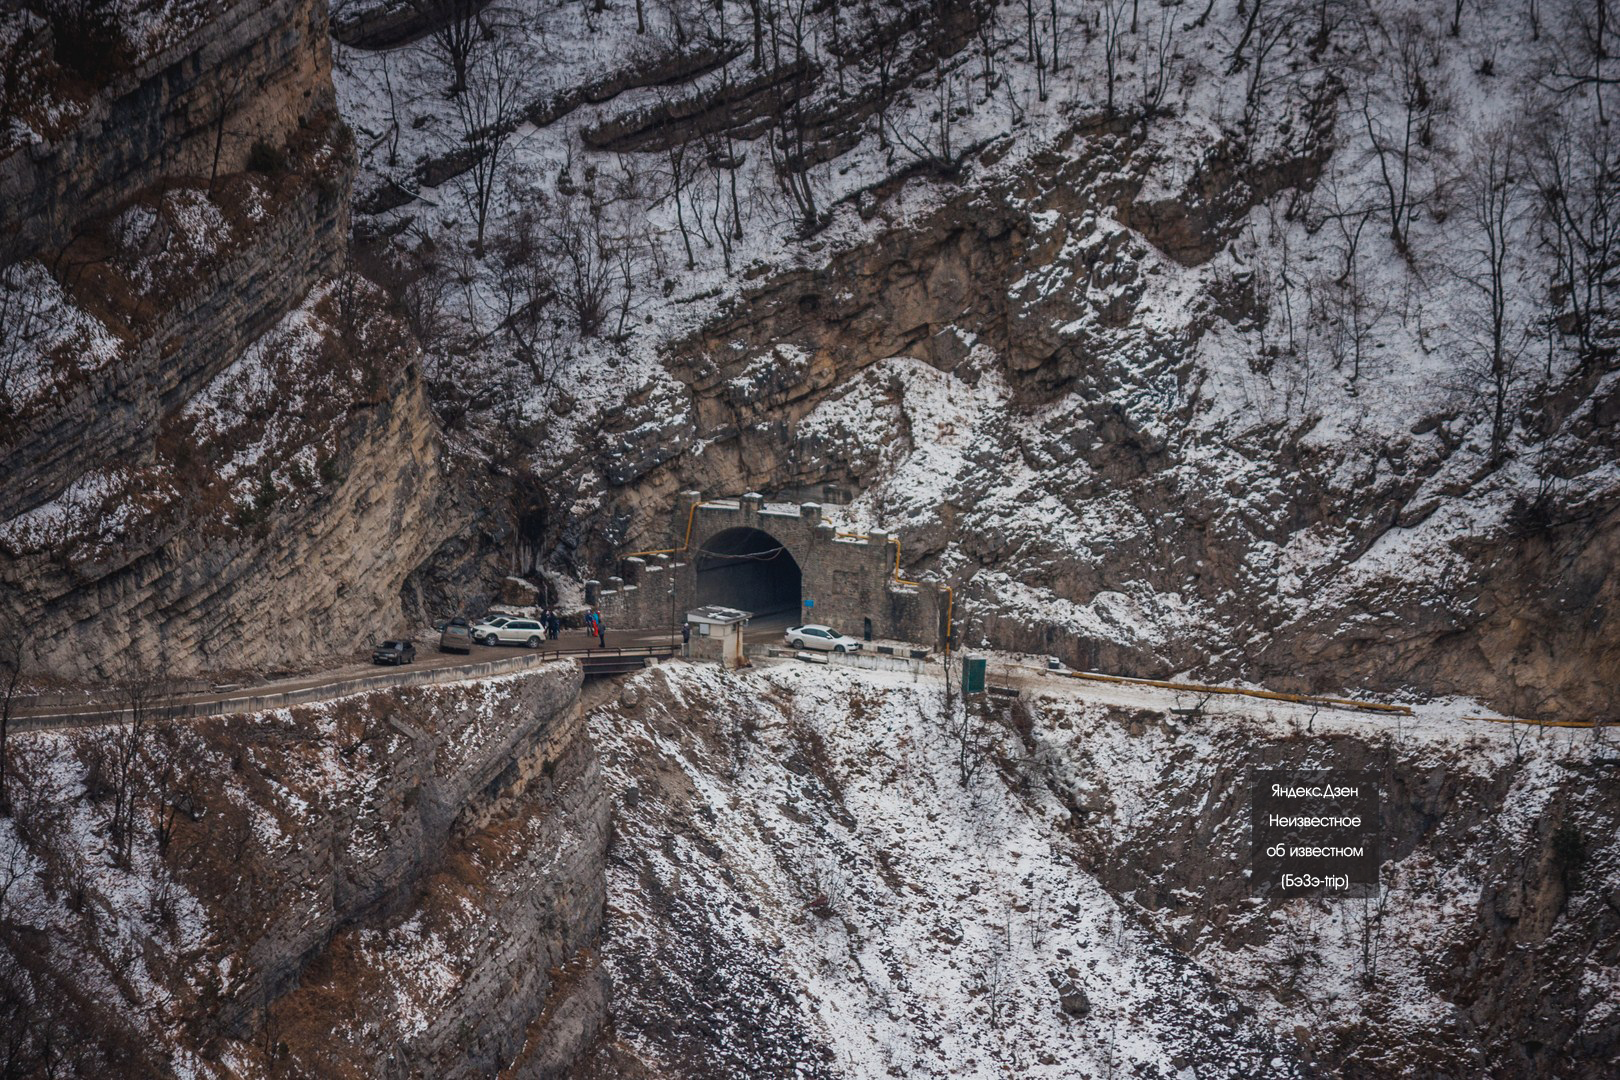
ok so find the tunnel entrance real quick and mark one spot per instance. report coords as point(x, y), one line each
point(748, 569)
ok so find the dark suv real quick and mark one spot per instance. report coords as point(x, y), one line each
point(394, 652)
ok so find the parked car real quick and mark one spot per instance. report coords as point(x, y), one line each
point(489, 622)
point(455, 636)
point(394, 652)
point(824, 638)
point(505, 630)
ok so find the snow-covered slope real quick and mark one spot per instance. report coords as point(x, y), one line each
point(803, 884)
point(1270, 341)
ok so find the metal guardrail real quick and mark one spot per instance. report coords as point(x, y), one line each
point(629, 650)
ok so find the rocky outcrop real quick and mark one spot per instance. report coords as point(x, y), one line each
point(494, 829)
point(388, 24)
point(643, 68)
point(226, 301)
point(195, 593)
point(253, 72)
point(1044, 297)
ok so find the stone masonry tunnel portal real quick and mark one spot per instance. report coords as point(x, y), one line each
point(749, 569)
point(771, 558)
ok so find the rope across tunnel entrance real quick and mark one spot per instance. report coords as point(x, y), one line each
point(748, 569)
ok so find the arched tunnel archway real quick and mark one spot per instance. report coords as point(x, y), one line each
point(748, 569)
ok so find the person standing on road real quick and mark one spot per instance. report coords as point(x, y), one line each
point(601, 633)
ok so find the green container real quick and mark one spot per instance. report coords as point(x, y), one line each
point(973, 668)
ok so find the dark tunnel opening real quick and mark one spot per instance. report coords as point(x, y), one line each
point(750, 570)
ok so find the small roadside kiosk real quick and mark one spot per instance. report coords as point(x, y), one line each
point(717, 634)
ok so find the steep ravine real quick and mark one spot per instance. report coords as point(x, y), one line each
point(801, 880)
point(405, 882)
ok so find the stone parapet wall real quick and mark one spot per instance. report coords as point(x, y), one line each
point(648, 593)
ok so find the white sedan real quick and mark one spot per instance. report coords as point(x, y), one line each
point(824, 638)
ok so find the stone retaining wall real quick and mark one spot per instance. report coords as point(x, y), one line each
point(249, 703)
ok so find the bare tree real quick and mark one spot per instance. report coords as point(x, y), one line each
point(229, 97)
point(489, 110)
point(936, 146)
point(1587, 55)
point(1370, 932)
point(1574, 165)
point(968, 731)
point(456, 32)
point(1399, 101)
point(1263, 35)
point(1493, 204)
point(788, 140)
point(12, 866)
point(1341, 300)
point(116, 757)
point(1113, 31)
point(883, 48)
point(1035, 45)
point(757, 15)
point(11, 667)
point(992, 980)
point(586, 265)
point(1238, 58)
point(987, 35)
point(528, 293)
point(677, 157)
point(1157, 71)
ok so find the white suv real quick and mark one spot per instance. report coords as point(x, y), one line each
point(824, 638)
point(504, 630)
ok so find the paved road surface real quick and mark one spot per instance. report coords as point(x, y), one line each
point(427, 656)
point(765, 629)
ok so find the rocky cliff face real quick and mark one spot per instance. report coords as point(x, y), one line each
point(405, 881)
point(193, 107)
point(1054, 336)
point(186, 479)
